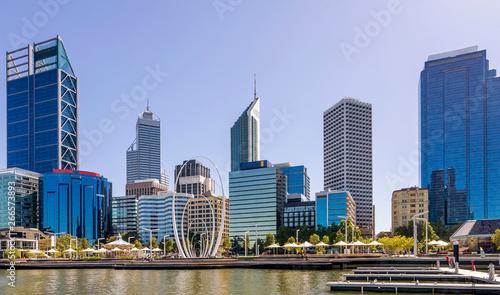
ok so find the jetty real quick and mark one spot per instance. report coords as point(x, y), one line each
point(407, 280)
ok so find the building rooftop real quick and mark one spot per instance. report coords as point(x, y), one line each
point(453, 53)
point(413, 188)
point(476, 229)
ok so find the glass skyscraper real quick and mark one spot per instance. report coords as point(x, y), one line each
point(144, 154)
point(347, 142)
point(42, 108)
point(257, 194)
point(76, 203)
point(297, 180)
point(333, 206)
point(24, 186)
point(245, 136)
point(460, 136)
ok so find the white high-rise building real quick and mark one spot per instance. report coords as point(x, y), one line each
point(347, 151)
point(144, 154)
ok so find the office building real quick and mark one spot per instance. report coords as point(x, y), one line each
point(245, 136)
point(42, 108)
point(348, 154)
point(297, 180)
point(144, 154)
point(460, 136)
point(144, 187)
point(407, 202)
point(76, 203)
point(21, 187)
point(194, 178)
point(299, 211)
point(155, 212)
point(24, 239)
point(201, 218)
point(124, 214)
point(257, 196)
point(333, 206)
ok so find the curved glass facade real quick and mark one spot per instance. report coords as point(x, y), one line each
point(459, 136)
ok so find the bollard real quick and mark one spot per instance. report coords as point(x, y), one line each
point(456, 267)
point(438, 264)
point(473, 267)
point(491, 267)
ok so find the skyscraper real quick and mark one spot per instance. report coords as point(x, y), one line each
point(347, 131)
point(460, 136)
point(42, 108)
point(144, 154)
point(245, 136)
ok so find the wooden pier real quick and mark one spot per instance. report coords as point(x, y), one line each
point(431, 288)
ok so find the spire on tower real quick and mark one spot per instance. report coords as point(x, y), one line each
point(254, 86)
point(147, 108)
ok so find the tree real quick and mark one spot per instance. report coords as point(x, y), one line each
point(495, 238)
point(170, 245)
point(269, 240)
point(63, 242)
point(407, 231)
point(133, 235)
point(83, 244)
point(237, 244)
point(137, 244)
point(283, 234)
point(111, 239)
point(226, 244)
point(314, 239)
point(291, 240)
point(153, 243)
point(340, 236)
point(247, 238)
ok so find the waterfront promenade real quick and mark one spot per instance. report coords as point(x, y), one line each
point(292, 262)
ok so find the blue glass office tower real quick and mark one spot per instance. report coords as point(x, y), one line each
point(42, 108)
point(257, 195)
point(460, 136)
point(245, 136)
point(77, 203)
point(297, 180)
point(333, 206)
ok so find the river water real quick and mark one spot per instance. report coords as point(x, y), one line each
point(216, 281)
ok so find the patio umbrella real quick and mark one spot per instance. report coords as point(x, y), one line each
point(442, 243)
point(35, 251)
point(340, 244)
point(116, 250)
point(290, 245)
point(145, 249)
point(134, 249)
point(358, 243)
point(433, 242)
point(156, 249)
point(321, 244)
point(102, 250)
point(88, 250)
point(374, 243)
point(69, 250)
point(52, 251)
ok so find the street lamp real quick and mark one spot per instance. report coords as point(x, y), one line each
point(150, 240)
point(415, 233)
point(246, 248)
point(129, 239)
point(164, 243)
point(297, 236)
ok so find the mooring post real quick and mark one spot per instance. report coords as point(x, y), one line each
point(438, 264)
point(491, 267)
point(455, 251)
point(456, 267)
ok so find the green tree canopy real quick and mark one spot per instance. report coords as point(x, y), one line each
point(226, 244)
point(137, 244)
point(269, 240)
point(495, 238)
point(314, 239)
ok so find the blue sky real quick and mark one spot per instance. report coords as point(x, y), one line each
point(307, 56)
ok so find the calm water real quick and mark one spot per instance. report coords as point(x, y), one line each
point(220, 281)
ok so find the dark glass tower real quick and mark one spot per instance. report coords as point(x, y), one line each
point(42, 108)
point(460, 136)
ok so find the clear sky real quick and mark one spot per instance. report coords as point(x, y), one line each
point(195, 62)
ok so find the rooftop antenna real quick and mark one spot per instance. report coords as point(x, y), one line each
point(255, 86)
point(147, 108)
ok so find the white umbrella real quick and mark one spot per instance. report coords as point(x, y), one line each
point(341, 243)
point(156, 249)
point(273, 246)
point(442, 243)
point(88, 250)
point(145, 249)
point(433, 242)
point(102, 250)
point(321, 244)
point(374, 243)
point(70, 250)
point(35, 251)
point(134, 249)
point(358, 243)
point(116, 250)
point(52, 251)
point(306, 244)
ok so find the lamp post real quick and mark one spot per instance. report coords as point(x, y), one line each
point(201, 243)
point(246, 248)
point(345, 217)
point(426, 234)
point(150, 240)
point(129, 239)
point(164, 244)
point(297, 236)
point(256, 248)
point(415, 233)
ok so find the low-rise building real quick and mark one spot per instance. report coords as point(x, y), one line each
point(407, 202)
point(299, 211)
point(25, 239)
point(333, 206)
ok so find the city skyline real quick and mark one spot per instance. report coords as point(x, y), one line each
point(296, 51)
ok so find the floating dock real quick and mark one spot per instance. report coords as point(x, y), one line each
point(415, 288)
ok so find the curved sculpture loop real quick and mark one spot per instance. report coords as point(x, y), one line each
point(210, 249)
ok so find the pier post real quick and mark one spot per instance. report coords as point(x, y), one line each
point(438, 264)
point(456, 253)
point(491, 268)
point(457, 267)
